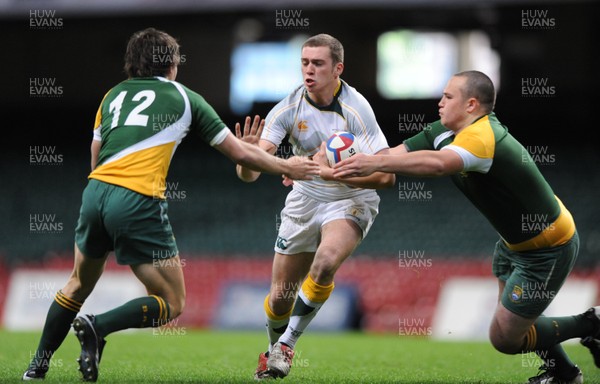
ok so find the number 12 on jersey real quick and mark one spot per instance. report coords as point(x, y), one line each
point(135, 117)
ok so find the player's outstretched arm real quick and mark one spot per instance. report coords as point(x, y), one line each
point(255, 158)
point(251, 135)
point(398, 150)
point(418, 163)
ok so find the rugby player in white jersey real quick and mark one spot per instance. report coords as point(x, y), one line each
point(324, 219)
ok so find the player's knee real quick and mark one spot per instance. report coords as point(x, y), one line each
point(325, 266)
point(503, 344)
point(176, 307)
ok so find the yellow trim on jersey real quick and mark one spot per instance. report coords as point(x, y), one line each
point(558, 233)
point(478, 138)
point(315, 292)
point(143, 171)
point(337, 89)
point(98, 120)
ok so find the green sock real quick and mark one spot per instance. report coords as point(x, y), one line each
point(549, 331)
point(143, 312)
point(556, 358)
point(58, 323)
point(546, 334)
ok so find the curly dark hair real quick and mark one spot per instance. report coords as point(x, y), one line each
point(151, 52)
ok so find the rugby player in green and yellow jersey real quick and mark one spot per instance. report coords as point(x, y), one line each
point(538, 242)
point(139, 124)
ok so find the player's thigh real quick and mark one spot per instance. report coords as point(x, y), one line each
point(344, 224)
point(164, 278)
point(339, 238)
point(86, 273)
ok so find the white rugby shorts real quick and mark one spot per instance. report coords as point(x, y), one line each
point(302, 219)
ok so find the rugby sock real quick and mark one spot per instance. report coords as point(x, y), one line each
point(556, 358)
point(143, 312)
point(58, 323)
point(548, 331)
point(276, 324)
point(546, 334)
point(310, 299)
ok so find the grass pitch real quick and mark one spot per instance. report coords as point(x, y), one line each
point(190, 356)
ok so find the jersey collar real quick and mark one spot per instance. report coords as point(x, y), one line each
point(334, 103)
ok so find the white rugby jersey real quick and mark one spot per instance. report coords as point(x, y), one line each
point(307, 125)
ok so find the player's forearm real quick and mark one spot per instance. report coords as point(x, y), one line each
point(420, 163)
point(398, 150)
point(255, 160)
point(248, 174)
point(378, 180)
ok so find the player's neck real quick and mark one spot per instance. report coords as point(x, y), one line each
point(326, 96)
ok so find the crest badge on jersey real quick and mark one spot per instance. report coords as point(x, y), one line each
point(516, 294)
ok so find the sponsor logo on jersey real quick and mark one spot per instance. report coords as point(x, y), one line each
point(281, 243)
point(302, 125)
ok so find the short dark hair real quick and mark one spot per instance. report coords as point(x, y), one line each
point(479, 86)
point(151, 52)
point(325, 40)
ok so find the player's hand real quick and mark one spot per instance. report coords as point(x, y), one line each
point(301, 168)
point(252, 132)
point(358, 165)
point(321, 158)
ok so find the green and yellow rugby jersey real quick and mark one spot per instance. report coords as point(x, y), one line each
point(140, 123)
point(501, 179)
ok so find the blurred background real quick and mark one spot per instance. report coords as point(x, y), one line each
point(428, 246)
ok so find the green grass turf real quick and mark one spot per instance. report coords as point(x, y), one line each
point(181, 355)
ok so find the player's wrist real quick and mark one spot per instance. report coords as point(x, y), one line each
point(327, 174)
point(286, 165)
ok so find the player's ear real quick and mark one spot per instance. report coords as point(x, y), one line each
point(338, 68)
point(472, 104)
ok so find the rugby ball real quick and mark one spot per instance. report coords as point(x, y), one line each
point(340, 146)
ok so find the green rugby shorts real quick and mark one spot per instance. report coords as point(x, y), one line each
point(533, 278)
point(136, 227)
